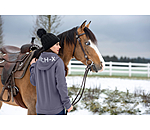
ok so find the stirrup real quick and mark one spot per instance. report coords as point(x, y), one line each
point(8, 93)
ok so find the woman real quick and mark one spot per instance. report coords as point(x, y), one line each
point(48, 75)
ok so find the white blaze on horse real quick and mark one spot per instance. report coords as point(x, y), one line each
point(79, 42)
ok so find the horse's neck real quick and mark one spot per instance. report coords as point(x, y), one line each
point(66, 59)
point(67, 54)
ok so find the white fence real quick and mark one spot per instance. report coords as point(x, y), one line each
point(114, 68)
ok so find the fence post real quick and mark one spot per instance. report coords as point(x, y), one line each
point(148, 65)
point(129, 69)
point(69, 66)
point(110, 68)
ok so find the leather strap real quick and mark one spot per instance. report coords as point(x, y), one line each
point(79, 40)
point(82, 88)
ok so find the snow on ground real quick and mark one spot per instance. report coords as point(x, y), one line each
point(12, 110)
point(103, 83)
point(111, 83)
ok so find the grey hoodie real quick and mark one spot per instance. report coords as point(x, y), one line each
point(48, 75)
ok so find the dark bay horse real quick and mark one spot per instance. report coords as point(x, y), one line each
point(79, 42)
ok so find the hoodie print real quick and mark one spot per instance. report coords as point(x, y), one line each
point(47, 59)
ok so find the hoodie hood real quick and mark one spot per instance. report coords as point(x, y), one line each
point(47, 60)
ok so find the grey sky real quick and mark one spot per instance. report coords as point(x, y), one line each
point(120, 35)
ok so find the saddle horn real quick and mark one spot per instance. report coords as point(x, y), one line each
point(32, 41)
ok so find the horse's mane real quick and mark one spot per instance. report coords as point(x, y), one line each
point(69, 37)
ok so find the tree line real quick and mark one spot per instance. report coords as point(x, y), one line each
point(126, 59)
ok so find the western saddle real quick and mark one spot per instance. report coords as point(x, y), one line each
point(14, 62)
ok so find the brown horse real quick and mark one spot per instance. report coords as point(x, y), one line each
point(78, 42)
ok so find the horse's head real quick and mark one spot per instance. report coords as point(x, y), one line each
point(81, 43)
point(86, 50)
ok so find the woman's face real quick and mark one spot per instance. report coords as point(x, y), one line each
point(56, 48)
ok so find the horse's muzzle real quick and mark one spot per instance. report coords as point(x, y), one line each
point(96, 68)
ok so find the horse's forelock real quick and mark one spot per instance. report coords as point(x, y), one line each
point(90, 35)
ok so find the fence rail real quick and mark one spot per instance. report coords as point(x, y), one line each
point(114, 68)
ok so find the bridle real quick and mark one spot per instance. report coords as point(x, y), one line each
point(86, 57)
point(79, 40)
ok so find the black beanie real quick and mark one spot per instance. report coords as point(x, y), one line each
point(47, 39)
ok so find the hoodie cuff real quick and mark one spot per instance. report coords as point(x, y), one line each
point(68, 105)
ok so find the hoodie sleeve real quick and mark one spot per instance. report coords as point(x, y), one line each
point(61, 84)
point(32, 74)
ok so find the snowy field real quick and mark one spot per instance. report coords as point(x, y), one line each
point(91, 82)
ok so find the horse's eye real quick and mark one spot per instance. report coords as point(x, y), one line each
point(87, 43)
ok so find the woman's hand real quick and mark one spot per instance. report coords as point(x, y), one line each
point(33, 61)
point(70, 108)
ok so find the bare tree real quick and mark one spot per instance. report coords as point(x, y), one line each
point(49, 22)
point(1, 31)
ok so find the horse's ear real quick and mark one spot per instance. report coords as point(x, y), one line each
point(88, 24)
point(83, 25)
